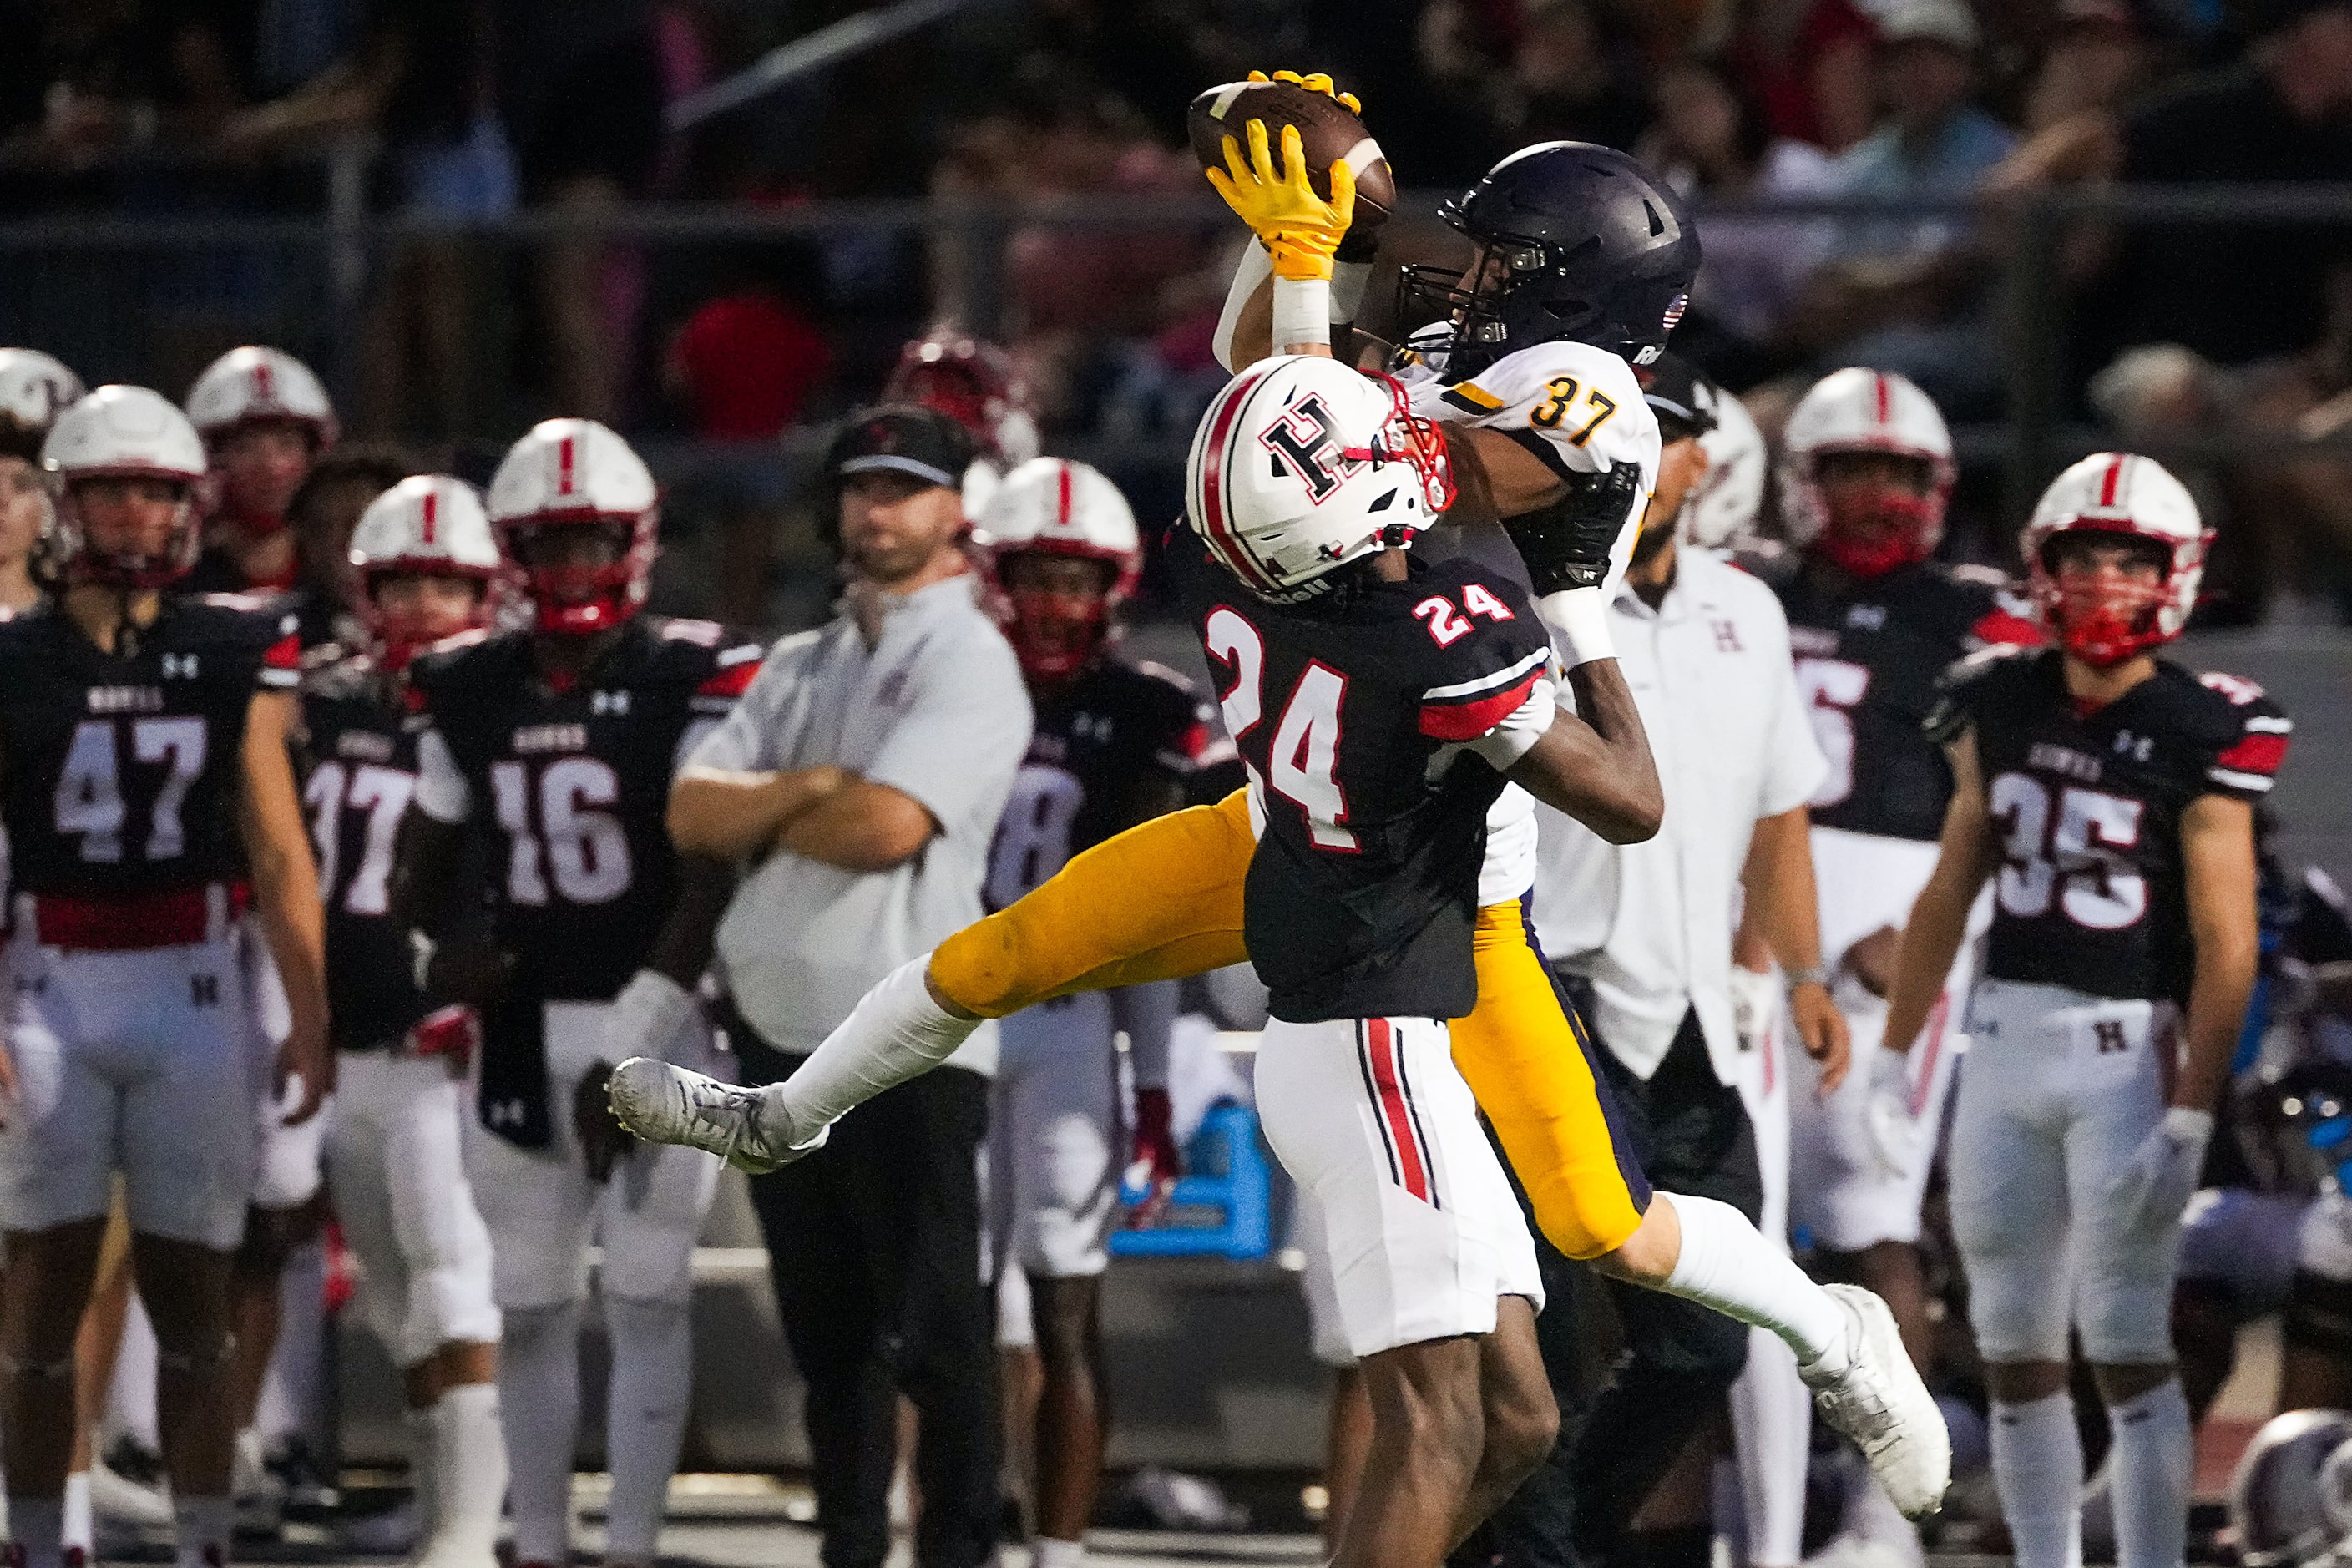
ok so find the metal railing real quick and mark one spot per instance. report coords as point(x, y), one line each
point(308, 275)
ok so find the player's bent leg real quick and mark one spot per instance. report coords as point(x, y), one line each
point(1529, 1061)
point(1160, 901)
point(1519, 1417)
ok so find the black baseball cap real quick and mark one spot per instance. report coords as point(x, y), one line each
point(901, 438)
point(1679, 393)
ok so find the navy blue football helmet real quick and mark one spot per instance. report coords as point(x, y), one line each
point(1576, 242)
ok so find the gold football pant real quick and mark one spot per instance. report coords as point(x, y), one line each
point(1163, 900)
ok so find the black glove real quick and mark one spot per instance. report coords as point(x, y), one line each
point(1567, 543)
point(603, 1142)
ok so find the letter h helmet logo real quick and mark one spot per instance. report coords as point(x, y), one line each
point(1306, 443)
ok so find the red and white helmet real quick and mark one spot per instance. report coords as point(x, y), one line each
point(1303, 463)
point(252, 384)
point(974, 383)
point(2117, 494)
point(577, 473)
point(114, 432)
point(426, 525)
point(1721, 508)
point(1858, 410)
point(1049, 506)
point(35, 388)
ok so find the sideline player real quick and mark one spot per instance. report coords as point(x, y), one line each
point(426, 565)
point(1873, 621)
point(2106, 794)
point(558, 742)
point(1086, 929)
point(34, 390)
point(1114, 743)
point(143, 769)
point(265, 419)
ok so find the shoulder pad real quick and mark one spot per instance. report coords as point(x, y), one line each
point(1979, 576)
point(1576, 408)
point(2253, 735)
point(247, 601)
point(702, 633)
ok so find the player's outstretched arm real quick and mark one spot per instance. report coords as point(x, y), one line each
point(1939, 919)
point(2217, 852)
point(285, 894)
point(1595, 764)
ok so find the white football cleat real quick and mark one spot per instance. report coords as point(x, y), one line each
point(1879, 1402)
point(663, 1103)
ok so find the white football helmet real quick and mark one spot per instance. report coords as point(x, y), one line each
point(121, 431)
point(35, 388)
point(1858, 410)
point(2122, 494)
point(255, 382)
point(1049, 506)
point(1721, 510)
point(577, 473)
point(426, 525)
point(2289, 1502)
point(1304, 464)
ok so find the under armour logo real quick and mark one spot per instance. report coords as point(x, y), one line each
point(2135, 747)
point(1867, 618)
point(613, 702)
point(503, 1113)
point(1307, 442)
point(179, 667)
point(1727, 638)
point(203, 990)
point(2109, 1034)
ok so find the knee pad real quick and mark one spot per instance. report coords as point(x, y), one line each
point(203, 1353)
point(525, 1327)
point(2018, 1307)
point(446, 1305)
point(979, 968)
point(2319, 1314)
point(2124, 1321)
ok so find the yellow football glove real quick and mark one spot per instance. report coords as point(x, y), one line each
point(1300, 228)
point(1313, 81)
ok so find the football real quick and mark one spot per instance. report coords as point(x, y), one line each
point(1328, 130)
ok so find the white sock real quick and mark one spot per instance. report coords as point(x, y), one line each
point(470, 1469)
point(81, 1528)
point(130, 1398)
point(1726, 1263)
point(2148, 1472)
point(1871, 1515)
point(2037, 1466)
point(200, 1531)
point(1771, 1428)
point(424, 1468)
point(895, 1033)
point(37, 1526)
point(289, 1385)
point(653, 1376)
point(539, 1407)
point(1053, 1553)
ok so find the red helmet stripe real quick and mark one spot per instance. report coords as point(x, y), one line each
point(2107, 484)
point(563, 466)
point(432, 507)
point(1062, 498)
point(1220, 531)
point(1886, 398)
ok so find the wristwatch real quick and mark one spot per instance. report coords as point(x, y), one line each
point(1812, 975)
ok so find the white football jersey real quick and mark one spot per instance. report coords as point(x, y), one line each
point(1576, 407)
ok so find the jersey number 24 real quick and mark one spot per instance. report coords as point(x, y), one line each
point(1303, 763)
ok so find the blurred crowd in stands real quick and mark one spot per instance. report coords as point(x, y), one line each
point(475, 109)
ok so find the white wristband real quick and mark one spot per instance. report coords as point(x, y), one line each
point(1348, 280)
point(2183, 1125)
point(1302, 313)
point(1579, 619)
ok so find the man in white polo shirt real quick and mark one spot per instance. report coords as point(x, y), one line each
point(1642, 936)
point(859, 780)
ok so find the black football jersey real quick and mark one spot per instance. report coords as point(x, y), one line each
point(120, 774)
point(2087, 807)
point(1349, 714)
point(358, 753)
point(572, 787)
point(1869, 655)
point(1102, 742)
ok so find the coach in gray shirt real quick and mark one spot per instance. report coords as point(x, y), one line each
point(859, 780)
